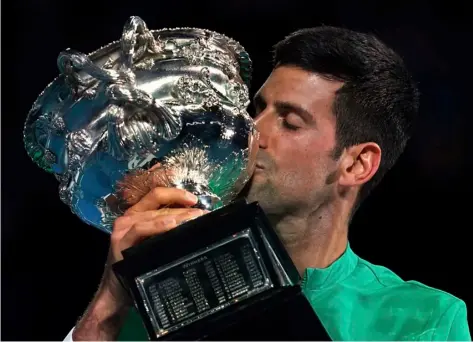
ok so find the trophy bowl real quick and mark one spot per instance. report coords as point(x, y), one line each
point(156, 108)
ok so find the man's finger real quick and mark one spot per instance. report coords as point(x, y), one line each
point(160, 224)
point(127, 221)
point(142, 230)
point(190, 215)
point(161, 197)
point(152, 214)
point(155, 166)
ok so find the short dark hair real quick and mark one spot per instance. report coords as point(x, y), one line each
point(379, 99)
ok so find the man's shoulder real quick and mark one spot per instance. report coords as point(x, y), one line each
point(442, 314)
point(383, 278)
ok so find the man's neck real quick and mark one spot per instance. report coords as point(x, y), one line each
point(315, 240)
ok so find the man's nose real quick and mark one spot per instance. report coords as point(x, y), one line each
point(263, 125)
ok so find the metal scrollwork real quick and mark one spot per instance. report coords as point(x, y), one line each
point(177, 95)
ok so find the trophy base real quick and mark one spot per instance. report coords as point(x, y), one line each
point(223, 276)
point(282, 315)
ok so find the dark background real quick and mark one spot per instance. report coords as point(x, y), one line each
point(415, 223)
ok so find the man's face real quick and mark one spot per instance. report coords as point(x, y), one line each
point(295, 164)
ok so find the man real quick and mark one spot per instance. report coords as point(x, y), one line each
point(334, 116)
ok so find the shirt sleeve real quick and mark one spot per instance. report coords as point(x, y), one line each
point(69, 336)
point(453, 326)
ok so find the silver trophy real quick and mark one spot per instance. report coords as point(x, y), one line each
point(168, 108)
point(164, 107)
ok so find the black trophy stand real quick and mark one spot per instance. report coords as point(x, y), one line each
point(223, 276)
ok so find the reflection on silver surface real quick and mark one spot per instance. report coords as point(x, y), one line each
point(176, 97)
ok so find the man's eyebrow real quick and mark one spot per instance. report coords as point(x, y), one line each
point(284, 106)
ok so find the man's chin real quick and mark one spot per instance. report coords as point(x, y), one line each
point(255, 189)
point(254, 194)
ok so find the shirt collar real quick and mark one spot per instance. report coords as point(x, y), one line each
point(321, 278)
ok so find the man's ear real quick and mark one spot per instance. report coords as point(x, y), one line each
point(359, 164)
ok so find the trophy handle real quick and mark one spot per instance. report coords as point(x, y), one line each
point(156, 120)
point(136, 40)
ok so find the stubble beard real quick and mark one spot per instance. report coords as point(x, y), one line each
point(268, 198)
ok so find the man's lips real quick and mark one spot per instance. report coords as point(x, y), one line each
point(259, 166)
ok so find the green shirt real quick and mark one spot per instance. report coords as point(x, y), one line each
point(356, 300)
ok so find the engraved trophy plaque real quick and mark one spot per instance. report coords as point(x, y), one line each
point(168, 108)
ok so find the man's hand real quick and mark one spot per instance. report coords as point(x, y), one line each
point(150, 216)
point(145, 219)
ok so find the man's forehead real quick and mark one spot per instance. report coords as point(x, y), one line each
point(292, 84)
